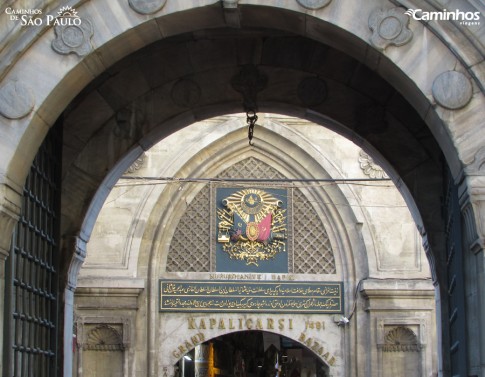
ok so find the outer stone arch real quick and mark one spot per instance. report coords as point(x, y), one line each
point(65, 76)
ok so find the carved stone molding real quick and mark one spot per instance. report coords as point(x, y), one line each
point(402, 334)
point(16, 100)
point(138, 164)
point(104, 338)
point(401, 339)
point(471, 195)
point(452, 90)
point(369, 167)
point(314, 4)
point(146, 6)
point(312, 91)
point(101, 333)
point(128, 121)
point(229, 4)
point(473, 217)
point(478, 163)
point(73, 38)
point(77, 261)
point(10, 207)
point(389, 27)
point(186, 93)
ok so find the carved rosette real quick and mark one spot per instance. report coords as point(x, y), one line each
point(314, 4)
point(146, 6)
point(389, 27)
point(73, 38)
point(369, 167)
point(16, 100)
point(452, 90)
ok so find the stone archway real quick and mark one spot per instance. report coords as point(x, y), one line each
point(270, 352)
point(253, 353)
point(64, 76)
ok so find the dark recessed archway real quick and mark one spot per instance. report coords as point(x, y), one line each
point(174, 82)
point(251, 354)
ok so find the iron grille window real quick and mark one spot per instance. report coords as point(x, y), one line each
point(31, 288)
point(455, 274)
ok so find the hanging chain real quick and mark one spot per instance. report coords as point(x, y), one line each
point(251, 119)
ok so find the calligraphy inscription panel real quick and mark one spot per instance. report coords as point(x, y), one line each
point(259, 297)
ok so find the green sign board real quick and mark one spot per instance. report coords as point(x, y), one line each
point(251, 296)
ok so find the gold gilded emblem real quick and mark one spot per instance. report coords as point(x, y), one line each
point(252, 226)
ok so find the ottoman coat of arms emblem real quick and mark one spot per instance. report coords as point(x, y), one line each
point(252, 226)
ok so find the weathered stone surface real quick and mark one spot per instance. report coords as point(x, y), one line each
point(186, 93)
point(230, 4)
point(314, 4)
point(369, 167)
point(412, 77)
point(312, 91)
point(452, 90)
point(389, 27)
point(147, 6)
point(16, 100)
point(249, 81)
point(73, 38)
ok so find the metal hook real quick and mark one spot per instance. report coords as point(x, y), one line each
point(251, 119)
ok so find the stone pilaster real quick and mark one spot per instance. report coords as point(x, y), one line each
point(10, 202)
point(398, 308)
point(472, 205)
point(79, 254)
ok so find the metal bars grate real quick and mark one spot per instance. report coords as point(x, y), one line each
point(32, 293)
point(455, 274)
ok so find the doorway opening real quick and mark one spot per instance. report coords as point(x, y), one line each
point(251, 354)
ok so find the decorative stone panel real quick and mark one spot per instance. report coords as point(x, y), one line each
point(190, 246)
point(189, 249)
point(401, 347)
point(314, 4)
point(73, 38)
point(389, 27)
point(101, 349)
point(146, 6)
point(401, 339)
point(452, 90)
point(313, 251)
point(251, 168)
point(104, 338)
point(16, 100)
point(369, 167)
point(137, 165)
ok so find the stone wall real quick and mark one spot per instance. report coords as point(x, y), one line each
point(141, 237)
